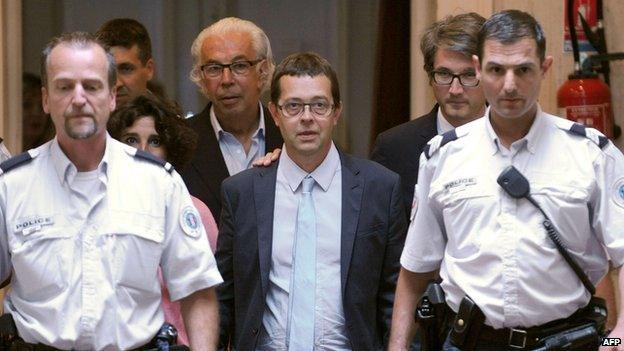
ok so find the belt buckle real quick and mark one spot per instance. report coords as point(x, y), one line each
point(517, 338)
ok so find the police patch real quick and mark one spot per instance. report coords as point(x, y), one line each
point(190, 221)
point(618, 192)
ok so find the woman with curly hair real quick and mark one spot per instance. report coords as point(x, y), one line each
point(155, 126)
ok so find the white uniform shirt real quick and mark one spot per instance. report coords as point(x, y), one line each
point(329, 324)
point(85, 269)
point(493, 247)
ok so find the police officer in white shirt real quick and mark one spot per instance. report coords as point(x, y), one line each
point(86, 222)
point(491, 247)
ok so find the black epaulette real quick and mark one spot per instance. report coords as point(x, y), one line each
point(591, 134)
point(438, 141)
point(15, 161)
point(144, 155)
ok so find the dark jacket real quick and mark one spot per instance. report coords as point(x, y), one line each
point(207, 169)
point(372, 238)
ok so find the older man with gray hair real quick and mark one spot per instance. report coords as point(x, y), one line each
point(232, 65)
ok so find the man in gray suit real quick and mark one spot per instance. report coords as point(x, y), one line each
point(291, 231)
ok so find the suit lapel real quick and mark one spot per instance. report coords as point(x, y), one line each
point(352, 187)
point(430, 127)
point(273, 137)
point(208, 160)
point(264, 201)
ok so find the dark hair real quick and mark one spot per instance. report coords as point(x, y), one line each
point(127, 32)
point(176, 136)
point(304, 64)
point(78, 40)
point(456, 33)
point(511, 26)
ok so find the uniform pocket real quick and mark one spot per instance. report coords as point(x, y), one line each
point(465, 202)
point(136, 250)
point(42, 262)
point(565, 200)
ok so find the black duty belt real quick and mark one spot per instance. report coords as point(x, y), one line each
point(527, 338)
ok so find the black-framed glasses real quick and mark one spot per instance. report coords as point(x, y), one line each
point(446, 78)
point(239, 68)
point(320, 109)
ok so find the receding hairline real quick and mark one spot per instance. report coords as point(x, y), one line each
point(77, 46)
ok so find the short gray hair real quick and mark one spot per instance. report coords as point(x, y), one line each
point(259, 41)
point(78, 40)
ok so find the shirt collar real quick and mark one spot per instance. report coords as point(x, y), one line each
point(322, 175)
point(66, 170)
point(219, 131)
point(531, 138)
point(443, 124)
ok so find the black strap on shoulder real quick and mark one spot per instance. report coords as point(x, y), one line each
point(581, 130)
point(15, 161)
point(602, 141)
point(154, 159)
point(448, 137)
point(426, 151)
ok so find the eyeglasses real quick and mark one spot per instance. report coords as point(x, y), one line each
point(320, 109)
point(239, 68)
point(446, 78)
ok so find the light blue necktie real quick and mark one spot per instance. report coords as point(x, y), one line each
point(303, 291)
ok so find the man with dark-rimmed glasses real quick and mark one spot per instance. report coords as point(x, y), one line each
point(309, 246)
point(232, 64)
point(447, 47)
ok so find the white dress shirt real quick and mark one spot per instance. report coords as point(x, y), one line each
point(329, 327)
point(493, 247)
point(84, 249)
point(442, 124)
point(234, 155)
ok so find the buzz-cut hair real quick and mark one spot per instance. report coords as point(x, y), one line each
point(127, 32)
point(511, 26)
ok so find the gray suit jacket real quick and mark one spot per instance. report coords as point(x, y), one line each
point(372, 238)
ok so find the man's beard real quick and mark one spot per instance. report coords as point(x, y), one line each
point(77, 132)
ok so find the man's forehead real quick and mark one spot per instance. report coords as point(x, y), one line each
point(305, 87)
point(227, 46)
point(446, 58)
point(122, 53)
point(518, 52)
point(66, 60)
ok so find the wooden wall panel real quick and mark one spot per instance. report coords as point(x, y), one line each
point(11, 74)
point(423, 13)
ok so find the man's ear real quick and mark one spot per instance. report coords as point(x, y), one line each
point(151, 67)
point(113, 98)
point(274, 113)
point(263, 74)
point(548, 61)
point(477, 66)
point(44, 100)
point(337, 113)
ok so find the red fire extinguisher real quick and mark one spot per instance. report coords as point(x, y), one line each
point(586, 99)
